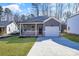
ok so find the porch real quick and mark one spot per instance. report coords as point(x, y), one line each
point(2, 31)
point(31, 29)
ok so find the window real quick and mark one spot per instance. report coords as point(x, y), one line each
point(9, 28)
point(29, 27)
point(33, 27)
point(68, 28)
point(0, 29)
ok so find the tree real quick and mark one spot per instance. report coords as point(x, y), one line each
point(1, 11)
point(76, 6)
point(23, 17)
point(36, 6)
point(60, 10)
point(16, 17)
point(8, 13)
point(30, 16)
point(45, 8)
point(67, 15)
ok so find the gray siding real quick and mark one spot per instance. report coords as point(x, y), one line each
point(52, 22)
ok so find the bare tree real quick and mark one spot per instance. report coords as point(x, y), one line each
point(16, 17)
point(8, 13)
point(36, 6)
point(60, 10)
point(1, 11)
point(76, 6)
point(23, 17)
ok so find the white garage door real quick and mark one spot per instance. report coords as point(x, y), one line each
point(51, 31)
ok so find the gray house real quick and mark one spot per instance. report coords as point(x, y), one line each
point(40, 26)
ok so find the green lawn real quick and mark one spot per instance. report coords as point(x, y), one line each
point(72, 37)
point(15, 46)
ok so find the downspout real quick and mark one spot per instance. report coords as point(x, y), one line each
point(60, 30)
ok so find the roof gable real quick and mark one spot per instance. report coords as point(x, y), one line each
point(4, 23)
point(38, 19)
point(53, 18)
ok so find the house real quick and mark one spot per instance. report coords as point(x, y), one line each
point(73, 24)
point(8, 28)
point(40, 26)
point(5, 17)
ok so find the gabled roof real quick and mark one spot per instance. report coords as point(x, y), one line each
point(53, 19)
point(38, 19)
point(35, 19)
point(73, 16)
point(4, 23)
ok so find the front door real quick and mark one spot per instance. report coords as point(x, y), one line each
point(40, 31)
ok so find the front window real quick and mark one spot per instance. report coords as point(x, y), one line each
point(29, 27)
point(9, 28)
point(68, 28)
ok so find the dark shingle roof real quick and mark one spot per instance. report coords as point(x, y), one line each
point(34, 19)
point(39, 19)
point(4, 23)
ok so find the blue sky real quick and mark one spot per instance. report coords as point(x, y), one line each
point(25, 8)
point(22, 8)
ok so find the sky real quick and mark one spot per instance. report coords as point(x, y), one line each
point(22, 8)
point(25, 8)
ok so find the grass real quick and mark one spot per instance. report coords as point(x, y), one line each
point(15, 46)
point(72, 37)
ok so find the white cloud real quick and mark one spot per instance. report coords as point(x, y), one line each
point(13, 7)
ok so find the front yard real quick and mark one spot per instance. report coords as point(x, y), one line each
point(71, 37)
point(15, 46)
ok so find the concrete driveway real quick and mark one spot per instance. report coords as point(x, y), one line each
point(54, 46)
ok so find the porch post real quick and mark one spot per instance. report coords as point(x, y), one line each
point(20, 29)
point(43, 29)
point(60, 29)
point(35, 29)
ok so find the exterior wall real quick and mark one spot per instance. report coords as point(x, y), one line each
point(73, 25)
point(12, 28)
point(5, 17)
point(52, 28)
point(52, 22)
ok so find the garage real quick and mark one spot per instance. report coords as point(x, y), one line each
point(52, 31)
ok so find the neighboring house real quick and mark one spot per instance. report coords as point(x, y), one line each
point(5, 17)
point(73, 24)
point(8, 28)
point(40, 26)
